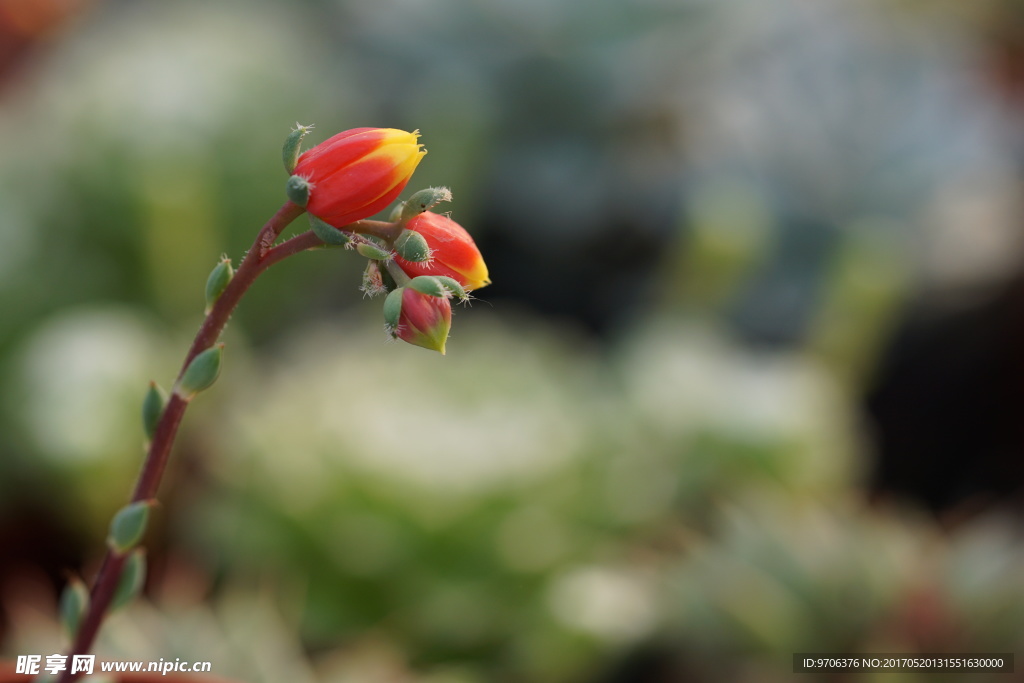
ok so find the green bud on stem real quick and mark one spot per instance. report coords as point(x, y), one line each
point(153, 408)
point(133, 577)
point(73, 603)
point(201, 373)
point(218, 281)
point(128, 526)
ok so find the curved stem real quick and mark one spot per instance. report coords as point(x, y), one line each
point(261, 256)
point(386, 231)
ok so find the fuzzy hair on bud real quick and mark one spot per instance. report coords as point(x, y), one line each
point(373, 280)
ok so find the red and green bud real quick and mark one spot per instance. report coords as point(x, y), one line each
point(417, 318)
point(357, 173)
point(453, 252)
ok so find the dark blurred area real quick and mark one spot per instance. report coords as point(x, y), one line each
point(747, 382)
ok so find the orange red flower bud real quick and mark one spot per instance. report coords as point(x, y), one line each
point(425, 320)
point(452, 252)
point(358, 172)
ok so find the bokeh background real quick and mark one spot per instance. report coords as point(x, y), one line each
point(749, 381)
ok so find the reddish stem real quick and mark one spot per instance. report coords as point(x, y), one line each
point(261, 256)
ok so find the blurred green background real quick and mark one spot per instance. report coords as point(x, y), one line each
point(749, 381)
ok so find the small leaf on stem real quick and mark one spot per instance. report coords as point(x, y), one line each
point(328, 233)
point(153, 408)
point(128, 526)
point(218, 281)
point(73, 602)
point(201, 373)
point(133, 576)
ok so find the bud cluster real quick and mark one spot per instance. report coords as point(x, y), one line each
point(420, 259)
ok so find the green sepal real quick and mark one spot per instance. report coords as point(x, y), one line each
point(372, 251)
point(392, 311)
point(297, 188)
point(452, 285)
point(424, 200)
point(327, 233)
point(412, 246)
point(292, 146)
point(133, 577)
point(396, 213)
point(429, 285)
point(153, 408)
point(201, 373)
point(128, 526)
point(73, 603)
point(218, 281)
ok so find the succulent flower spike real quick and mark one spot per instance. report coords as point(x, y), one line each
point(355, 174)
point(452, 252)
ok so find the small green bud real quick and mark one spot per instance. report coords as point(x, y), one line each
point(373, 280)
point(218, 281)
point(298, 189)
point(412, 246)
point(292, 146)
point(424, 200)
point(153, 408)
point(128, 526)
point(372, 251)
point(392, 311)
point(429, 285)
point(329, 234)
point(73, 603)
point(453, 286)
point(133, 577)
point(201, 373)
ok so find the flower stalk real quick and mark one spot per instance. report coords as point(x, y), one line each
point(260, 257)
point(339, 183)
